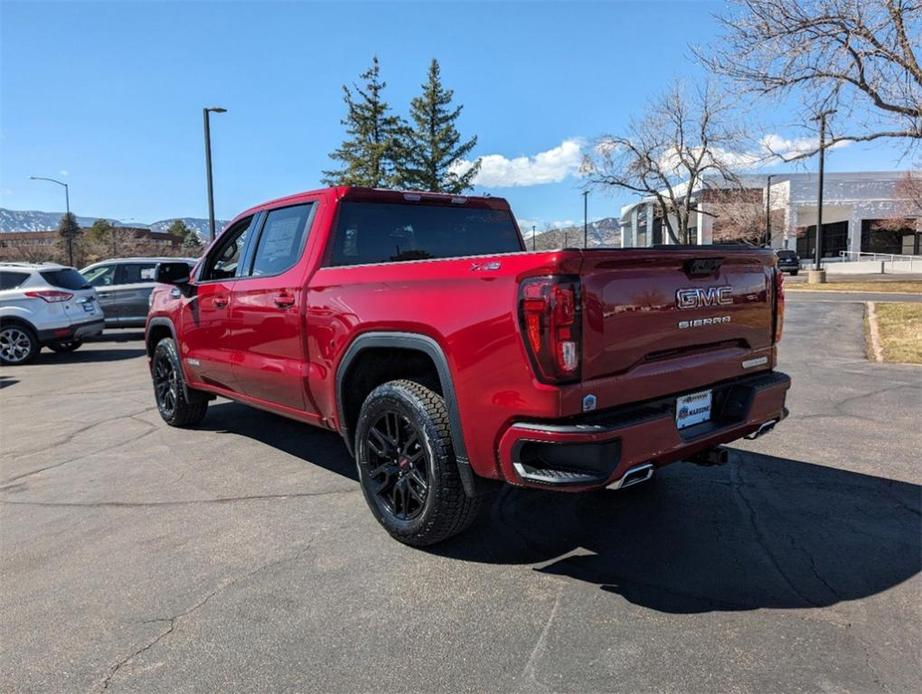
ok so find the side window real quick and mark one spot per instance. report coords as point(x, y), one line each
point(134, 273)
point(224, 261)
point(281, 240)
point(11, 280)
point(102, 276)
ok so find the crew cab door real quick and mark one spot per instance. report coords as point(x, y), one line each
point(267, 310)
point(206, 348)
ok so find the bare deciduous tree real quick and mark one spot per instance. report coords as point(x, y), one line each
point(739, 216)
point(685, 142)
point(855, 55)
point(908, 191)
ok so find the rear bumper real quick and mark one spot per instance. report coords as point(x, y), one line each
point(598, 450)
point(75, 331)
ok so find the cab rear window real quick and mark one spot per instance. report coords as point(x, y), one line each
point(67, 278)
point(373, 232)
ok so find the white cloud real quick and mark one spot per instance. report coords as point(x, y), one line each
point(550, 166)
point(64, 172)
point(782, 147)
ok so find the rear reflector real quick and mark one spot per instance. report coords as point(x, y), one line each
point(52, 296)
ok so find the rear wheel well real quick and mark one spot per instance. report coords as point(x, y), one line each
point(154, 335)
point(16, 320)
point(376, 365)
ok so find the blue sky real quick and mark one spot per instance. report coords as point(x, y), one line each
point(108, 96)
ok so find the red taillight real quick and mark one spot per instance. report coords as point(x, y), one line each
point(549, 310)
point(52, 296)
point(779, 305)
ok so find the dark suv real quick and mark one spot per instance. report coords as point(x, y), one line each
point(788, 261)
point(124, 286)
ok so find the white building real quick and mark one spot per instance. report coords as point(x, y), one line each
point(854, 204)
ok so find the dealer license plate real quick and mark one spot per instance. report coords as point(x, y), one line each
point(692, 409)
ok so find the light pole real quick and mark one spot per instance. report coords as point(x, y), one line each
point(585, 219)
point(69, 236)
point(819, 193)
point(533, 237)
point(768, 211)
point(206, 113)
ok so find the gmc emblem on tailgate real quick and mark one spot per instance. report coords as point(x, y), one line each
point(698, 297)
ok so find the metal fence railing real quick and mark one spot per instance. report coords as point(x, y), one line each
point(907, 263)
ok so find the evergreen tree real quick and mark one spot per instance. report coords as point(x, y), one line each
point(101, 230)
point(434, 147)
point(373, 136)
point(68, 226)
point(191, 243)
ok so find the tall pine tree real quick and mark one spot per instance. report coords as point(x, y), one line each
point(373, 136)
point(433, 147)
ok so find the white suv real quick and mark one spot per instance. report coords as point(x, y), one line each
point(44, 305)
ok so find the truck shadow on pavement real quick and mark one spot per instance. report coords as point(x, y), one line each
point(760, 532)
point(315, 446)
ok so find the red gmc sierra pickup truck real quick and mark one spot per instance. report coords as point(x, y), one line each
point(451, 359)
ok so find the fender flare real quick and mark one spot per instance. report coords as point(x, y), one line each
point(155, 322)
point(432, 349)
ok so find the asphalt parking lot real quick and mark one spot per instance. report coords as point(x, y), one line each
point(136, 557)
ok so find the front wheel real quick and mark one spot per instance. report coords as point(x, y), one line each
point(179, 406)
point(794, 273)
point(64, 347)
point(407, 466)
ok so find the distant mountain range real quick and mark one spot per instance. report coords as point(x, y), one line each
point(34, 220)
point(602, 232)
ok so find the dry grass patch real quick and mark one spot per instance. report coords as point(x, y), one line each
point(900, 327)
point(899, 287)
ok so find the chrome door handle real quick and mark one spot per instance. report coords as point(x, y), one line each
point(220, 301)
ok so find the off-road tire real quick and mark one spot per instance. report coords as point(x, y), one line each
point(65, 347)
point(447, 509)
point(18, 344)
point(179, 406)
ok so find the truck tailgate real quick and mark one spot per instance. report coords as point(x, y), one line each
point(646, 305)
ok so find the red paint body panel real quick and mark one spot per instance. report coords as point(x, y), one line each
point(285, 358)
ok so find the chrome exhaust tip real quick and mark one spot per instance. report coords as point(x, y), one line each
point(636, 475)
point(763, 429)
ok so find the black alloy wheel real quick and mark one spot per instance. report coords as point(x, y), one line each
point(166, 385)
point(398, 465)
point(407, 466)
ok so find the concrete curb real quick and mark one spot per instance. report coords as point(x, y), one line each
point(874, 332)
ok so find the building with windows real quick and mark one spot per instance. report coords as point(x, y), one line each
point(864, 211)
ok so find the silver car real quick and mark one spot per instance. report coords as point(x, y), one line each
point(124, 286)
point(44, 305)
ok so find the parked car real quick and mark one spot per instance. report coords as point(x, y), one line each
point(788, 261)
point(124, 286)
point(451, 359)
point(44, 305)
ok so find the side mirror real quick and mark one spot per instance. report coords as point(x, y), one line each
point(173, 273)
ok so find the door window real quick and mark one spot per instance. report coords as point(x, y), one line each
point(101, 276)
point(281, 241)
point(225, 261)
point(135, 273)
